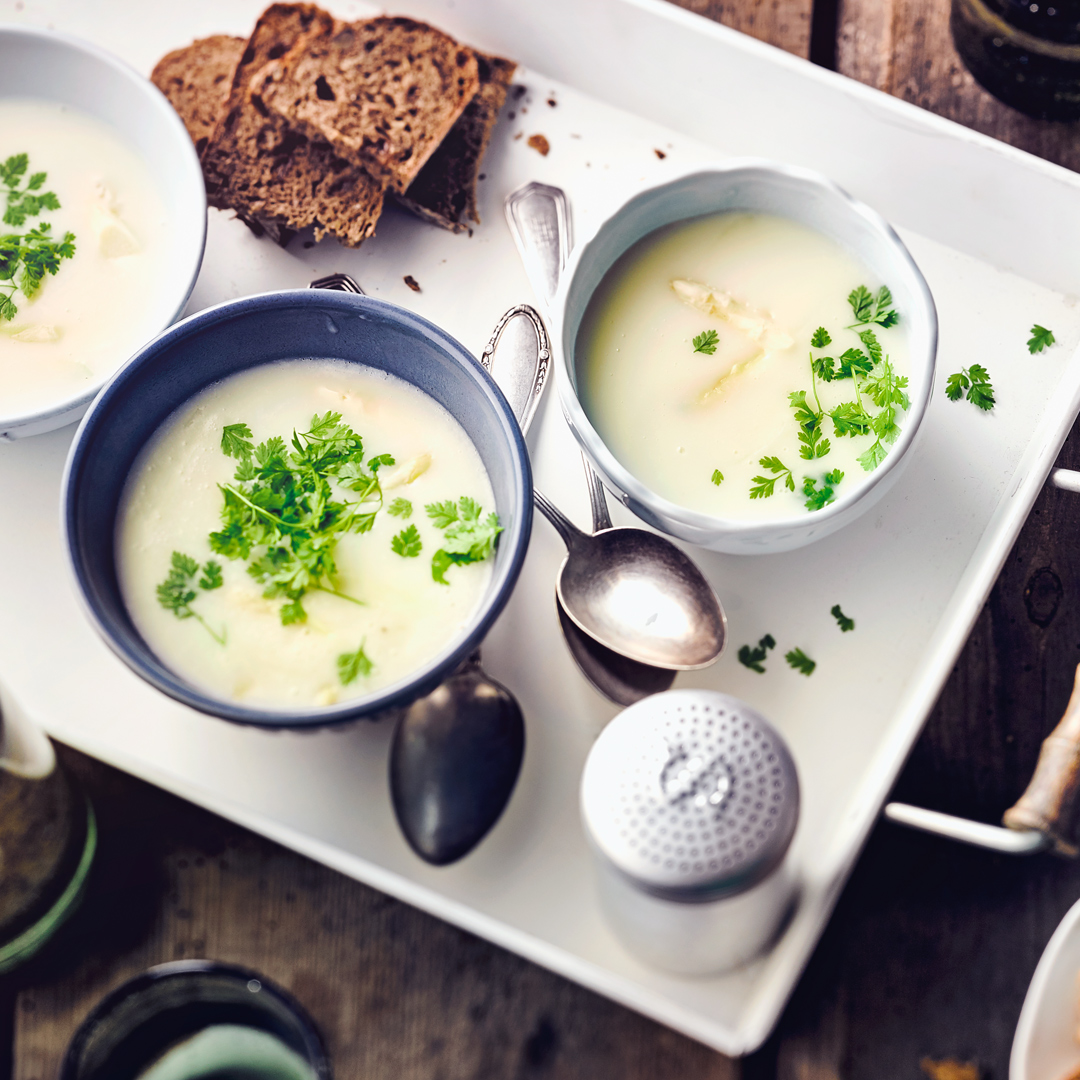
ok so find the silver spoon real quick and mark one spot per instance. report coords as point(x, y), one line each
point(456, 753)
point(631, 590)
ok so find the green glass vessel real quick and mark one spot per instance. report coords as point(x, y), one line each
point(1026, 54)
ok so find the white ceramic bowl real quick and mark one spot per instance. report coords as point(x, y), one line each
point(45, 66)
point(1045, 1046)
point(761, 187)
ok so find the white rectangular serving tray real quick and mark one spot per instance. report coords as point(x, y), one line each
point(994, 230)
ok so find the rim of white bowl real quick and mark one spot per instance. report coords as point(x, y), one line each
point(71, 408)
point(593, 443)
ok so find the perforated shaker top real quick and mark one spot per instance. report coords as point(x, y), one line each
point(691, 795)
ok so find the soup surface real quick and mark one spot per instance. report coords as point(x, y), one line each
point(696, 340)
point(105, 298)
point(328, 593)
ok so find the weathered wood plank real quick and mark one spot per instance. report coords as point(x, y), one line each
point(784, 23)
point(904, 48)
point(398, 994)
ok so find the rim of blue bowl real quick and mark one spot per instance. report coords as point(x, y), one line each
point(398, 694)
point(314, 1046)
point(70, 408)
point(661, 510)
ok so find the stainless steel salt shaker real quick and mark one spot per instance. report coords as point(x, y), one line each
point(690, 800)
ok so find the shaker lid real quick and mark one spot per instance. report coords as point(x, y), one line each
point(691, 795)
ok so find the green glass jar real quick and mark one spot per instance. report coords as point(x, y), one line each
point(48, 837)
point(1026, 54)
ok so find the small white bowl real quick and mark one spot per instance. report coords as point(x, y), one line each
point(1045, 1045)
point(46, 66)
point(768, 188)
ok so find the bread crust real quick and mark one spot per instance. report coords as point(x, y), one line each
point(382, 92)
point(275, 178)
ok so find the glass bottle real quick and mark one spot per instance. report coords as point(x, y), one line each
point(47, 838)
point(1026, 54)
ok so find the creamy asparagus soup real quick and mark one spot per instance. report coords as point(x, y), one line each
point(744, 365)
point(305, 532)
point(84, 250)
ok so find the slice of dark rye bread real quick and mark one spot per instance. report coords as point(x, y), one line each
point(444, 191)
point(274, 177)
point(383, 92)
point(197, 79)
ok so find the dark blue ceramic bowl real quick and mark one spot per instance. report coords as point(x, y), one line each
point(256, 330)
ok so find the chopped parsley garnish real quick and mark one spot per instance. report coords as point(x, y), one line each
point(407, 543)
point(976, 381)
point(754, 658)
point(283, 516)
point(706, 342)
point(717, 477)
point(177, 592)
point(25, 258)
point(466, 537)
point(400, 508)
point(800, 661)
point(764, 486)
point(1040, 339)
point(352, 666)
point(842, 620)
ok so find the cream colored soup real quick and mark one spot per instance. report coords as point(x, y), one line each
point(172, 502)
point(680, 419)
point(106, 300)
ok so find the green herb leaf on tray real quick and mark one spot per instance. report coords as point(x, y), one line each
point(706, 342)
point(800, 661)
point(754, 658)
point(1040, 339)
point(975, 381)
point(842, 620)
point(352, 666)
point(400, 508)
point(407, 543)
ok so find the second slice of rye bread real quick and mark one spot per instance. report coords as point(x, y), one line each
point(383, 92)
point(444, 192)
point(275, 178)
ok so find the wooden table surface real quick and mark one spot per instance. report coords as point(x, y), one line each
point(927, 957)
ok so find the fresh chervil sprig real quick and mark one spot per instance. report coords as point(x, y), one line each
point(764, 486)
point(284, 516)
point(177, 592)
point(1040, 339)
point(869, 308)
point(842, 620)
point(25, 258)
point(400, 508)
point(706, 342)
point(754, 658)
point(717, 477)
point(811, 433)
point(354, 665)
point(817, 497)
point(975, 380)
point(467, 538)
point(800, 661)
point(407, 543)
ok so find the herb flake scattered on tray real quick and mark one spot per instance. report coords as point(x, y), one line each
point(800, 661)
point(1040, 339)
point(975, 380)
point(754, 658)
point(842, 620)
